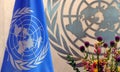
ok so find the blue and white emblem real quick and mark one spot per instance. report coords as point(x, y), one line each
point(26, 45)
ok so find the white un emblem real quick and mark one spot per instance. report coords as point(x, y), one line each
point(26, 44)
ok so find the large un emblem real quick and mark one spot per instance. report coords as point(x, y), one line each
point(86, 19)
point(26, 45)
point(82, 20)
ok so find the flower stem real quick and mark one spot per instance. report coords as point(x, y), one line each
point(98, 62)
point(89, 54)
point(116, 66)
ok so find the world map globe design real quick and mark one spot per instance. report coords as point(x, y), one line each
point(85, 20)
point(26, 38)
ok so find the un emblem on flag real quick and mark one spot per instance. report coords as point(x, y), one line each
point(27, 45)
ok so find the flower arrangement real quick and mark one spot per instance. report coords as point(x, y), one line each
point(108, 61)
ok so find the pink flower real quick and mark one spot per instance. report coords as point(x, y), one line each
point(96, 46)
point(97, 51)
point(105, 55)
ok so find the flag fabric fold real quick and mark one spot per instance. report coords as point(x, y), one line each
point(27, 48)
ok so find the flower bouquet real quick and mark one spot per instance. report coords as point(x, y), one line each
point(108, 61)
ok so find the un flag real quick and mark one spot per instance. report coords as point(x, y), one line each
point(27, 47)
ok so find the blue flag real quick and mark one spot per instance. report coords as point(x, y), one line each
point(27, 47)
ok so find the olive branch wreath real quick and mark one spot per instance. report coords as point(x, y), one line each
point(56, 39)
point(26, 65)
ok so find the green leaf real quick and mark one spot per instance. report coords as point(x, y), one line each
point(93, 57)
